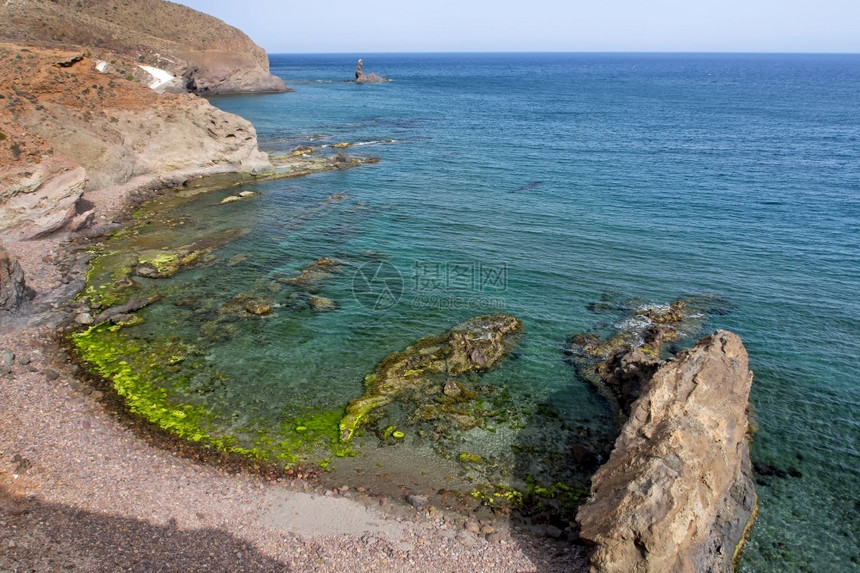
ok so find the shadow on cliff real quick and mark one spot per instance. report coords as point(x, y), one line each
point(555, 459)
point(41, 536)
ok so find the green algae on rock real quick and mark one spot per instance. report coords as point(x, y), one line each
point(475, 345)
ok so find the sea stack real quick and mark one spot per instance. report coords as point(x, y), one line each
point(371, 78)
point(677, 493)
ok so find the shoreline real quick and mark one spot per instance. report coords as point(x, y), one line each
point(52, 406)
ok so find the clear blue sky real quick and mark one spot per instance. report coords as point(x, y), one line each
point(366, 26)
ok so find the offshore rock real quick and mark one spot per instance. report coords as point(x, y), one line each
point(477, 344)
point(677, 494)
point(371, 78)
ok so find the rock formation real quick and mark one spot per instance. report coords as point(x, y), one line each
point(210, 56)
point(13, 290)
point(434, 361)
point(371, 78)
point(677, 494)
point(620, 365)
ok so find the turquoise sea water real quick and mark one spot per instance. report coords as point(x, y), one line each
point(536, 185)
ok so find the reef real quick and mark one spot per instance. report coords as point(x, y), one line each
point(621, 363)
point(431, 367)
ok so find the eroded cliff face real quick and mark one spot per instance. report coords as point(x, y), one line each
point(208, 55)
point(677, 494)
point(69, 130)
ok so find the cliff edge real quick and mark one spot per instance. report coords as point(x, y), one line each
point(204, 53)
point(76, 140)
point(676, 493)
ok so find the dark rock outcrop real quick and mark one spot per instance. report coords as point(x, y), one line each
point(620, 365)
point(13, 289)
point(676, 493)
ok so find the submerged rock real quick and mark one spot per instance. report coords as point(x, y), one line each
point(676, 493)
point(619, 365)
point(316, 271)
point(475, 345)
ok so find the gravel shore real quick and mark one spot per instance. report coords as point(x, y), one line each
point(81, 490)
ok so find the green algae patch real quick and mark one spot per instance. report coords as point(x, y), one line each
point(109, 280)
point(308, 434)
point(468, 458)
point(134, 367)
point(165, 265)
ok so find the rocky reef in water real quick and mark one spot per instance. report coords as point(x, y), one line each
point(204, 53)
point(432, 367)
point(676, 493)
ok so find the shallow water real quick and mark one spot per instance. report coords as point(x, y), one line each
point(536, 185)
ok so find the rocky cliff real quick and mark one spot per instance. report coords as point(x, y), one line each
point(677, 494)
point(70, 131)
point(205, 53)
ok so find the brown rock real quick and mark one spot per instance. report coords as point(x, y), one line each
point(676, 493)
point(210, 56)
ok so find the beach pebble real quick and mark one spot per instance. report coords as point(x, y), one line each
point(472, 526)
point(495, 537)
point(84, 318)
point(7, 357)
point(23, 360)
point(553, 531)
point(488, 529)
point(51, 374)
point(417, 501)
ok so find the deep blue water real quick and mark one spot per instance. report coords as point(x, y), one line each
point(573, 176)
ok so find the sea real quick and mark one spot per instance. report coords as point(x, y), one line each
point(560, 188)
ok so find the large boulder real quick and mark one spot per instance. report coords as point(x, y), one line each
point(677, 494)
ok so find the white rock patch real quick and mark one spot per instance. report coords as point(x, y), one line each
point(160, 78)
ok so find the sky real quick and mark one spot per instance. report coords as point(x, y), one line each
point(368, 26)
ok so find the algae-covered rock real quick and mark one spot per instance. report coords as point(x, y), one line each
point(165, 265)
point(475, 345)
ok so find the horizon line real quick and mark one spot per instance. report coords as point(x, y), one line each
point(624, 52)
